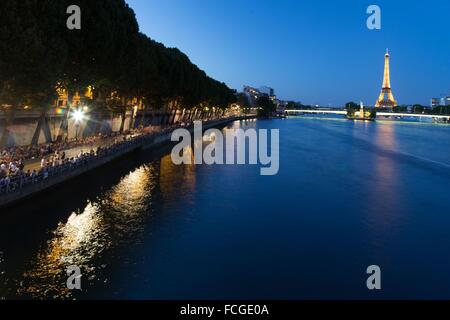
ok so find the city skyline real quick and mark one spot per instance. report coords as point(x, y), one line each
point(313, 53)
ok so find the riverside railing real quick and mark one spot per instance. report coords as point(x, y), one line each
point(20, 181)
point(15, 183)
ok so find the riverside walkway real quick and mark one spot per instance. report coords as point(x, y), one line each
point(35, 164)
point(16, 189)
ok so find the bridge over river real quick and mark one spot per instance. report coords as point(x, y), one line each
point(379, 114)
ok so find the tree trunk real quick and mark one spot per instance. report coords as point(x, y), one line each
point(99, 123)
point(43, 125)
point(161, 119)
point(143, 117)
point(122, 124)
point(9, 121)
point(64, 128)
point(47, 130)
point(168, 117)
point(37, 131)
point(152, 116)
point(172, 115)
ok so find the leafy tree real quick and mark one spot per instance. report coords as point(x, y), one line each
point(266, 106)
point(351, 113)
point(30, 61)
point(292, 105)
point(352, 106)
point(243, 101)
point(417, 108)
point(400, 109)
point(121, 66)
point(441, 110)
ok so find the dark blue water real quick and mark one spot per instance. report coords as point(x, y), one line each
point(348, 195)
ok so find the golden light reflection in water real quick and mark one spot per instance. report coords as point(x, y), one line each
point(385, 136)
point(382, 200)
point(177, 181)
point(117, 218)
point(384, 165)
point(74, 242)
point(131, 194)
point(82, 239)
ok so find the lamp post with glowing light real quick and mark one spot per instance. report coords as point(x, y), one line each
point(78, 116)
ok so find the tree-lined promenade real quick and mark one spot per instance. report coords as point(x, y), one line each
point(21, 173)
point(107, 66)
point(19, 181)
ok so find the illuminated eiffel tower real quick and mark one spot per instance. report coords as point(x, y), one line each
point(386, 98)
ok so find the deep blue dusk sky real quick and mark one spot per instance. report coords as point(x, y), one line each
point(317, 52)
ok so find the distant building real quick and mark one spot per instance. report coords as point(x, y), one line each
point(251, 90)
point(435, 102)
point(281, 106)
point(267, 91)
point(254, 94)
point(444, 101)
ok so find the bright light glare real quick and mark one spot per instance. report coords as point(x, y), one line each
point(78, 115)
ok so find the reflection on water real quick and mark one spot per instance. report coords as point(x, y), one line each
point(384, 169)
point(382, 204)
point(348, 196)
point(385, 136)
point(116, 219)
point(74, 243)
point(177, 181)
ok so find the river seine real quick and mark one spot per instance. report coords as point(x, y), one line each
point(348, 195)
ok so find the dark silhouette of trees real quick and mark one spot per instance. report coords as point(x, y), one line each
point(121, 67)
point(292, 105)
point(30, 62)
point(441, 110)
point(266, 106)
point(352, 106)
point(400, 109)
point(417, 108)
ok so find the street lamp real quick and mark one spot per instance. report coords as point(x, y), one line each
point(78, 116)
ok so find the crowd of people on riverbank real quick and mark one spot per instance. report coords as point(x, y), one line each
point(24, 153)
point(13, 175)
point(55, 160)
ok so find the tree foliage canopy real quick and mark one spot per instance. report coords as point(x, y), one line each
point(266, 106)
point(109, 54)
